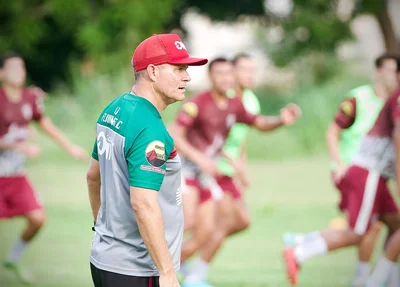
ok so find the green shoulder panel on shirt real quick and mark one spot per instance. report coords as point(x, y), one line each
point(95, 153)
point(147, 142)
point(147, 146)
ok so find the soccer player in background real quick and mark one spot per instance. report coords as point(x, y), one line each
point(200, 131)
point(233, 214)
point(19, 106)
point(233, 179)
point(355, 117)
point(387, 271)
point(365, 194)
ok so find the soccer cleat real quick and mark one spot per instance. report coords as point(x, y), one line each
point(24, 277)
point(292, 268)
point(289, 239)
point(196, 284)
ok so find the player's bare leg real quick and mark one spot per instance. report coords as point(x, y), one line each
point(223, 223)
point(202, 231)
point(190, 197)
point(365, 250)
point(202, 235)
point(241, 217)
point(318, 244)
point(223, 217)
point(386, 272)
point(392, 221)
point(35, 220)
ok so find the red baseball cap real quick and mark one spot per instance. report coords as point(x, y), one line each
point(163, 49)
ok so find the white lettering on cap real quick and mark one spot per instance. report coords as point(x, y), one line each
point(179, 45)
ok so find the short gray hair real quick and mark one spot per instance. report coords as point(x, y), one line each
point(138, 75)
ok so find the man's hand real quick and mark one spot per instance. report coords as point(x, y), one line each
point(77, 152)
point(241, 173)
point(31, 150)
point(290, 113)
point(169, 280)
point(208, 166)
point(339, 173)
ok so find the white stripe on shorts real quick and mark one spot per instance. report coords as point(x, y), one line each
point(364, 215)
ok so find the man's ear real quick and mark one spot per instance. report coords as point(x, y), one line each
point(152, 72)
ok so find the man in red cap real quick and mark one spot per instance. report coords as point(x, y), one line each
point(134, 177)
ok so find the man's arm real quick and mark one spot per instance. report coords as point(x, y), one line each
point(150, 222)
point(178, 133)
point(332, 141)
point(31, 150)
point(94, 182)
point(267, 123)
point(396, 141)
point(47, 125)
point(288, 116)
point(344, 119)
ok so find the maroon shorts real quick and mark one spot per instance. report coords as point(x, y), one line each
point(229, 186)
point(219, 185)
point(365, 196)
point(17, 197)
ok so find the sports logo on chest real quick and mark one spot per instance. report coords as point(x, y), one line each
point(26, 111)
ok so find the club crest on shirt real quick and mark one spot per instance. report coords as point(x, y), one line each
point(155, 153)
point(26, 111)
point(347, 108)
point(190, 109)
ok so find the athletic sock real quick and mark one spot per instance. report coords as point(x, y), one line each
point(310, 248)
point(381, 273)
point(15, 253)
point(199, 271)
point(394, 277)
point(361, 275)
point(303, 238)
point(185, 269)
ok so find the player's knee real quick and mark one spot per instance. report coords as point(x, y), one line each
point(37, 218)
point(245, 222)
point(375, 228)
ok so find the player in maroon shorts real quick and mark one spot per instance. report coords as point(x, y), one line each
point(18, 107)
point(200, 131)
point(366, 197)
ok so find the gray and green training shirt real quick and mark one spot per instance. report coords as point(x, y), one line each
point(134, 148)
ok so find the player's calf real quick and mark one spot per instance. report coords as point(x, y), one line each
point(35, 220)
point(365, 250)
point(203, 230)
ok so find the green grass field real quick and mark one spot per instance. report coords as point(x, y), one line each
point(286, 196)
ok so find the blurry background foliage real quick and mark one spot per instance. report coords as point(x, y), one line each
point(80, 51)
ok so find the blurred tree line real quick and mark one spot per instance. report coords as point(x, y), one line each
point(52, 34)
